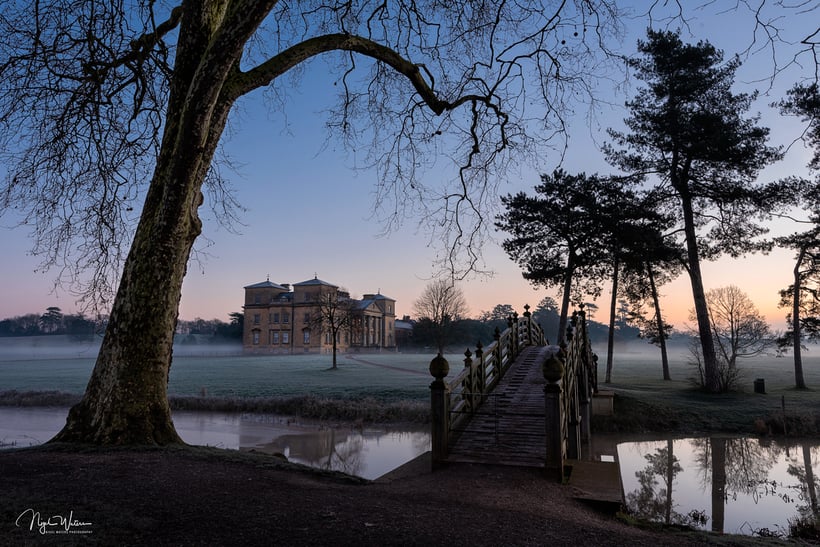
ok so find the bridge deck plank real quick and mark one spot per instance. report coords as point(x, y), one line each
point(509, 429)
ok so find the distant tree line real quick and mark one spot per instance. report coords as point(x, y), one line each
point(214, 328)
point(79, 327)
point(464, 332)
point(53, 321)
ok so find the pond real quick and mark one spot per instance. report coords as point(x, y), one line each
point(367, 452)
point(723, 484)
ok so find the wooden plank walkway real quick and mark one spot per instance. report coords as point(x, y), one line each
point(509, 428)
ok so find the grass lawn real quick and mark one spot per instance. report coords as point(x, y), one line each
point(396, 384)
point(644, 401)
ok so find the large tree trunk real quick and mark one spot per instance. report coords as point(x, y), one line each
point(126, 399)
point(656, 301)
point(799, 381)
point(610, 342)
point(711, 379)
point(562, 320)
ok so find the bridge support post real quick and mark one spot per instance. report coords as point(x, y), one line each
point(553, 370)
point(439, 411)
point(554, 465)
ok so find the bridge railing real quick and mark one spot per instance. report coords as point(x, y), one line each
point(454, 402)
point(568, 397)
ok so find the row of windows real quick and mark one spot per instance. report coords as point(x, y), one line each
point(273, 337)
point(274, 318)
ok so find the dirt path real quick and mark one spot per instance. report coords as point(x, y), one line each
point(196, 496)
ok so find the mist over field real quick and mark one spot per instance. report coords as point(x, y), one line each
point(61, 346)
point(57, 363)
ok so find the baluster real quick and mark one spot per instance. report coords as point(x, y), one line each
point(482, 369)
point(498, 354)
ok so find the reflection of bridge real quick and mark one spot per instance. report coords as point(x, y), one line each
point(522, 402)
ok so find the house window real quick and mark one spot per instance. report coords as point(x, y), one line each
point(306, 336)
point(256, 338)
point(286, 338)
point(257, 299)
point(274, 337)
point(256, 319)
point(275, 317)
point(307, 318)
point(285, 318)
point(270, 318)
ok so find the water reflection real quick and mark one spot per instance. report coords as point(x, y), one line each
point(724, 484)
point(366, 452)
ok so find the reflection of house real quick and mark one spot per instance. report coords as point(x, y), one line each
point(278, 319)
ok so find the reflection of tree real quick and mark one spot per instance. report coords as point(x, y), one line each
point(718, 445)
point(346, 456)
point(731, 466)
point(653, 498)
point(324, 450)
point(808, 486)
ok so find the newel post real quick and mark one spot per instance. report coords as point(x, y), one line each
point(553, 370)
point(439, 410)
point(469, 391)
point(528, 315)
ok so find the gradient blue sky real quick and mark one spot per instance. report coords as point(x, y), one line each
point(309, 211)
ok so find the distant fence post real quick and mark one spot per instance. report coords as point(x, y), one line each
point(439, 410)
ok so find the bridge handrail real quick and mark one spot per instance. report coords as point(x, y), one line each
point(577, 386)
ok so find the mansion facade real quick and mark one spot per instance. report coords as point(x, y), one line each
point(282, 319)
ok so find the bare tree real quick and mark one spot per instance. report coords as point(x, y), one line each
point(439, 307)
point(738, 328)
point(108, 105)
point(333, 315)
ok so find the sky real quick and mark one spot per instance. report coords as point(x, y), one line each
point(309, 213)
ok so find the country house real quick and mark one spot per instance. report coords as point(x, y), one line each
point(282, 318)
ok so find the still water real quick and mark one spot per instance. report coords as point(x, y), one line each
point(724, 484)
point(365, 452)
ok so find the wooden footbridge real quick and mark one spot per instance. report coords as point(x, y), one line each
point(523, 402)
